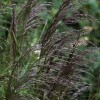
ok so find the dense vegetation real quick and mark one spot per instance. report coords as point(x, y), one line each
point(49, 50)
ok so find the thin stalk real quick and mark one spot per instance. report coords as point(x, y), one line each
point(12, 51)
point(13, 32)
